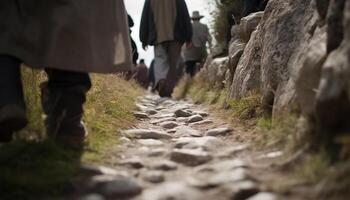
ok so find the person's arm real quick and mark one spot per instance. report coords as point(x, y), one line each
point(144, 26)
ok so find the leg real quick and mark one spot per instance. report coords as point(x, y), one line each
point(191, 67)
point(12, 107)
point(161, 67)
point(63, 97)
point(174, 61)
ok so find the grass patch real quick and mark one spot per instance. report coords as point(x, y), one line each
point(314, 167)
point(33, 168)
point(247, 108)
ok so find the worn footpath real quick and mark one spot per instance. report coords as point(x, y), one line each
point(179, 152)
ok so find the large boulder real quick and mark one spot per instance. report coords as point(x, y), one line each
point(247, 74)
point(333, 97)
point(286, 30)
point(248, 25)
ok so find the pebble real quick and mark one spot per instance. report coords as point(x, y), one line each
point(233, 151)
point(190, 157)
point(158, 121)
point(99, 170)
point(172, 191)
point(187, 131)
point(243, 190)
point(151, 112)
point(136, 163)
point(264, 196)
point(157, 152)
point(154, 176)
point(204, 122)
point(124, 140)
point(169, 125)
point(141, 115)
point(150, 142)
point(115, 186)
point(182, 113)
point(92, 197)
point(205, 143)
point(195, 118)
point(202, 113)
point(165, 165)
point(218, 132)
point(146, 134)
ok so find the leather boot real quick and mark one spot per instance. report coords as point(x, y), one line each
point(64, 112)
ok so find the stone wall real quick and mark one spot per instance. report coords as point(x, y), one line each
point(296, 55)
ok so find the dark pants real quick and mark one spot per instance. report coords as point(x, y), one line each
point(191, 67)
point(11, 91)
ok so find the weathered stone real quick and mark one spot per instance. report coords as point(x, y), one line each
point(136, 163)
point(274, 154)
point(205, 143)
point(187, 131)
point(150, 142)
point(202, 113)
point(153, 176)
point(151, 112)
point(204, 122)
point(182, 119)
point(248, 25)
point(190, 157)
point(182, 113)
point(92, 197)
point(157, 121)
point(232, 151)
point(141, 107)
point(146, 134)
point(165, 165)
point(218, 132)
point(156, 152)
point(243, 190)
point(173, 191)
point(124, 140)
point(169, 125)
point(195, 118)
point(99, 170)
point(141, 115)
point(115, 186)
point(264, 196)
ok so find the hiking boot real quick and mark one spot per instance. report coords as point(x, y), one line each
point(162, 89)
point(64, 112)
point(12, 119)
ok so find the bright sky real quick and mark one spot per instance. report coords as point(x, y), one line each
point(134, 8)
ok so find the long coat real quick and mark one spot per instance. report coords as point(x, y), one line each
point(75, 35)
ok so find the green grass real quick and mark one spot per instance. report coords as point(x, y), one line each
point(314, 167)
point(33, 168)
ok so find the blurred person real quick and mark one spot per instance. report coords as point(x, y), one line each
point(197, 52)
point(141, 74)
point(68, 39)
point(166, 25)
point(151, 76)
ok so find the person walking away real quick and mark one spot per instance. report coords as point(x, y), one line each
point(68, 40)
point(166, 25)
point(151, 76)
point(198, 51)
point(141, 74)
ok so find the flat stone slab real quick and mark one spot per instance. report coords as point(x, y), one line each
point(204, 122)
point(136, 163)
point(218, 132)
point(182, 131)
point(154, 176)
point(182, 113)
point(172, 191)
point(141, 115)
point(195, 118)
point(169, 124)
point(190, 157)
point(158, 121)
point(115, 186)
point(150, 142)
point(165, 165)
point(205, 143)
point(233, 151)
point(146, 134)
point(264, 196)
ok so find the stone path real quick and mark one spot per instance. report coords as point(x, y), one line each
point(177, 152)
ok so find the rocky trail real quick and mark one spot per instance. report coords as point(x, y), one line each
point(179, 151)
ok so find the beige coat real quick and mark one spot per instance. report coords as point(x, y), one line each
point(76, 35)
